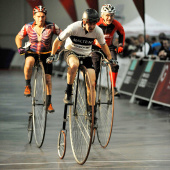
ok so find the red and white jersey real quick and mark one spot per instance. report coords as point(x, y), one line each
point(42, 43)
point(79, 40)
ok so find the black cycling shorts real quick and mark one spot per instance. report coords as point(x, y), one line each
point(47, 67)
point(86, 61)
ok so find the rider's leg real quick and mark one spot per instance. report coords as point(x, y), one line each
point(48, 77)
point(96, 63)
point(90, 102)
point(93, 79)
point(49, 91)
point(29, 63)
point(48, 83)
point(114, 73)
point(73, 63)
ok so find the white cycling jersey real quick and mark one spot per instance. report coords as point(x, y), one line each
point(80, 41)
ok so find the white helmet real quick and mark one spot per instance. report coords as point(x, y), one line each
point(108, 8)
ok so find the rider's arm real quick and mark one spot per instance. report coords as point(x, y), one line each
point(18, 41)
point(59, 40)
point(106, 50)
point(22, 33)
point(120, 32)
point(56, 44)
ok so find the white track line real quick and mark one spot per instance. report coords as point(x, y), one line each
point(130, 161)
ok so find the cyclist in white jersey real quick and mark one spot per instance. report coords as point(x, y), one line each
point(79, 37)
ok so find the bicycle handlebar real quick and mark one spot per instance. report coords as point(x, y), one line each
point(55, 59)
point(115, 62)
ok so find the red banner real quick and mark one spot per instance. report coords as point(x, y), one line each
point(34, 3)
point(93, 4)
point(162, 92)
point(70, 8)
point(140, 5)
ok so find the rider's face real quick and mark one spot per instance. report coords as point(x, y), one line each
point(90, 26)
point(108, 18)
point(40, 18)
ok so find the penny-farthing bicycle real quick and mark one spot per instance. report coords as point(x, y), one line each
point(80, 123)
point(38, 117)
point(105, 102)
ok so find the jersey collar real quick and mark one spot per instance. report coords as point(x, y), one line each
point(34, 24)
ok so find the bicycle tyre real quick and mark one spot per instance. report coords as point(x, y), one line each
point(94, 135)
point(105, 105)
point(61, 144)
point(39, 105)
point(30, 128)
point(81, 128)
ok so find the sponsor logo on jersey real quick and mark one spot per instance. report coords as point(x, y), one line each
point(82, 40)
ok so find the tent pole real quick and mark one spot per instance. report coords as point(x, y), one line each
point(144, 28)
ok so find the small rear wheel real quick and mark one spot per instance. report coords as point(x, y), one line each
point(61, 144)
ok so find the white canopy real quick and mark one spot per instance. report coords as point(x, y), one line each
point(152, 26)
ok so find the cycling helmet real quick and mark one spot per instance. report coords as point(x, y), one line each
point(39, 8)
point(108, 8)
point(90, 15)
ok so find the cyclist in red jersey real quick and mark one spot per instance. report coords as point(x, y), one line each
point(40, 34)
point(109, 26)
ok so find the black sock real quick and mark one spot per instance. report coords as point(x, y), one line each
point(28, 82)
point(69, 89)
point(48, 99)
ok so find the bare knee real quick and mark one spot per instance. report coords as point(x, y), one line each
point(29, 63)
point(73, 67)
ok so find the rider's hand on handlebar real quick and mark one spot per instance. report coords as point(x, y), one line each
point(50, 59)
point(21, 50)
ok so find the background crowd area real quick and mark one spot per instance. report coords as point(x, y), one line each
point(156, 47)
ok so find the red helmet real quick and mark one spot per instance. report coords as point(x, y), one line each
point(39, 8)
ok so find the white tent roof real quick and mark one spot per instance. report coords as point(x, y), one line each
point(152, 26)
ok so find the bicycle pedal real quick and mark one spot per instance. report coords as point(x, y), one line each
point(27, 96)
point(95, 126)
point(69, 103)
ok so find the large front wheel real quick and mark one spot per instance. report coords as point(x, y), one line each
point(81, 124)
point(105, 104)
point(39, 105)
